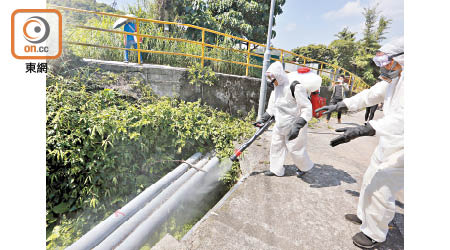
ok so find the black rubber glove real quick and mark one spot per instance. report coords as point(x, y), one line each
point(351, 133)
point(300, 123)
point(338, 107)
point(264, 118)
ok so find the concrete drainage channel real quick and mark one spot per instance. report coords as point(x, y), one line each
point(181, 197)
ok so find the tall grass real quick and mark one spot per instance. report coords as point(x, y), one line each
point(103, 38)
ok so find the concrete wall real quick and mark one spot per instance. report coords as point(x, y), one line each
point(234, 94)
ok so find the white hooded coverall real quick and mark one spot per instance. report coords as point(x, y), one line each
point(287, 109)
point(384, 176)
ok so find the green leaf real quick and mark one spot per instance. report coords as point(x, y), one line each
point(61, 208)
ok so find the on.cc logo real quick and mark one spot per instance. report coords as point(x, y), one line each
point(36, 29)
point(36, 34)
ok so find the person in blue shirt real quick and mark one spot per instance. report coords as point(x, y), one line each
point(129, 40)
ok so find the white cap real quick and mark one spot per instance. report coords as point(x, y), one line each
point(394, 47)
point(276, 71)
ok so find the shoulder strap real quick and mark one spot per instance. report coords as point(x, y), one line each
point(293, 84)
point(131, 27)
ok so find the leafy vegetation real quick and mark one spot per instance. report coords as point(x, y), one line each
point(198, 75)
point(103, 147)
point(325, 81)
point(242, 18)
point(245, 18)
point(344, 49)
point(316, 51)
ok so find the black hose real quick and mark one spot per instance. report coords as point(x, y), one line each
point(251, 140)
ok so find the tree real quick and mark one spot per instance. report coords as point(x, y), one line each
point(370, 43)
point(363, 50)
point(346, 34)
point(318, 52)
point(197, 13)
point(371, 36)
point(164, 12)
point(171, 10)
point(344, 48)
point(242, 18)
point(383, 24)
point(245, 18)
point(344, 52)
point(193, 12)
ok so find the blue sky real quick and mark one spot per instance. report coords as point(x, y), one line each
point(316, 22)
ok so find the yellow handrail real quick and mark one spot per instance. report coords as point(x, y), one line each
point(356, 82)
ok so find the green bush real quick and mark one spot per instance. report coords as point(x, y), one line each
point(103, 148)
point(325, 81)
point(198, 75)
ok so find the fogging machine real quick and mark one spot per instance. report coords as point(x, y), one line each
point(259, 132)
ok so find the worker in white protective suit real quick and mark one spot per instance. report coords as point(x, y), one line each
point(292, 110)
point(384, 176)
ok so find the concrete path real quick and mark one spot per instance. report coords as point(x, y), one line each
point(296, 213)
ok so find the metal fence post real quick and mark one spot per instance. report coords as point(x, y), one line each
point(138, 41)
point(334, 74)
point(352, 81)
point(248, 58)
point(281, 57)
point(203, 48)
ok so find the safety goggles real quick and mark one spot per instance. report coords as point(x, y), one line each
point(382, 60)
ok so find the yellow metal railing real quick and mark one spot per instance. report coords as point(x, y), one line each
point(323, 67)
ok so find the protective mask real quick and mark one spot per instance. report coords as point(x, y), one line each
point(389, 74)
point(270, 80)
point(340, 81)
point(270, 83)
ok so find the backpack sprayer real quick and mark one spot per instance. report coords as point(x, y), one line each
point(259, 132)
point(310, 82)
